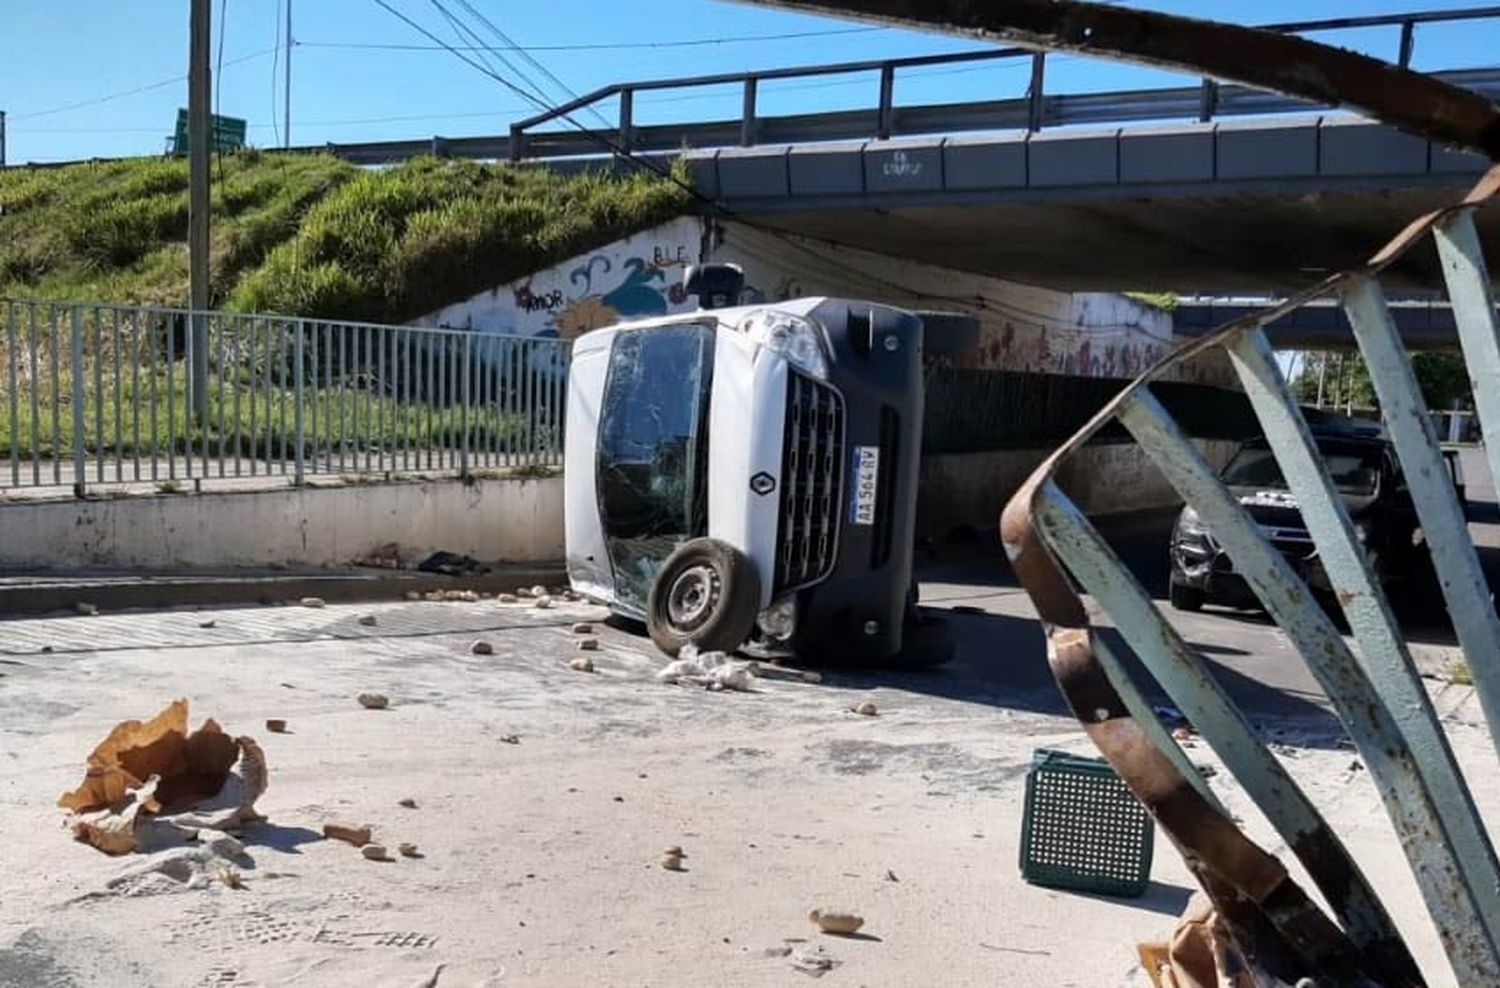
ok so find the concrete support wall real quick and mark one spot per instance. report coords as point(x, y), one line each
point(972, 488)
point(509, 520)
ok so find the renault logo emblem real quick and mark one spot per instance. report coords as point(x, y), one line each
point(762, 483)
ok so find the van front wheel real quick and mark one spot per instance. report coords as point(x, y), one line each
point(706, 593)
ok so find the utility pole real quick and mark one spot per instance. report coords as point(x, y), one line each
point(199, 138)
point(286, 130)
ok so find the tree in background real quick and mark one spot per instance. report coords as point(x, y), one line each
point(1443, 378)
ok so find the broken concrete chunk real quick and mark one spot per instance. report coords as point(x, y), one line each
point(582, 664)
point(408, 850)
point(349, 833)
point(834, 921)
point(276, 725)
point(543, 602)
point(435, 596)
point(373, 701)
point(672, 862)
point(538, 591)
point(368, 620)
point(589, 645)
point(866, 709)
point(408, 802)
point(583, 628)
point(210, 623)
point(507, 598)
point(482, 647)
point(155, 779)
point(314, 602)
point(413, 595)
point(375, 852)
point(86, 609)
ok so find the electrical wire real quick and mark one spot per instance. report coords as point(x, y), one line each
point(605, 46)
point(275, 63)
point(148, 87)
point(604, 141)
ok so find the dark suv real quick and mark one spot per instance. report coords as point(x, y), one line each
point(1364, 468)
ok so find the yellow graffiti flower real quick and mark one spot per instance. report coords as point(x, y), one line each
point(582, 315)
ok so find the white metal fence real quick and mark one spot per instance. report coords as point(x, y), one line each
point(107, 395)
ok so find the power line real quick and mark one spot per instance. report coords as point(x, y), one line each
point(602, 46)
point(150, 86)
point(652, 166)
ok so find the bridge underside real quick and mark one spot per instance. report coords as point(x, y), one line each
point(1262, 239)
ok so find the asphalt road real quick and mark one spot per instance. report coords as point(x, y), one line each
point(1002, 661)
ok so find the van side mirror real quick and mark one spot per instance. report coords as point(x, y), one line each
point(717, 286)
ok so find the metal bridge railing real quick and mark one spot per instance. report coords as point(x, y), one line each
point(1208, 100)
point(1373, 687)
point(100, 395)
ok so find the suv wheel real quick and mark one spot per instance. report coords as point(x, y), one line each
point(1185, 598)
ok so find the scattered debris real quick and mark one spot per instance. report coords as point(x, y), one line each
point(435, 596)
point(543, 602)
point(46, 649)
point(386, 556)
point(890, 876)
point(814, 962)
point(375, 852)
point(86, 609)
point(408, 850)
point(314, 602)
point(1207, 771)
point(231, 877)
point(356, 834)
point(510, 739)
point(373, 701)
point(582, 663)
point(1182, 733)
point(538, 591)
point(671, 859)
point(524, 592)
point(711, 670)
point(452, 564)
point(413, 595)
point(276, 725)
point(1017, 950)
point(866, 709)
point(464, 596)
point(583, 628)
point(148, 783)
point(368, 620)
point(588, 645)
point(507, 598)
point(482, 647)
point(408, 802)
point(775, 670)
point(210, 623)
point(571, 596)
point(776, 952)
point(833, 921)
point(675, 851)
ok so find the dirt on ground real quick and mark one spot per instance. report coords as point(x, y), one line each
point(540, 799)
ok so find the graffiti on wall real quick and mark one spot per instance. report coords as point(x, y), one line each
point(634, 278)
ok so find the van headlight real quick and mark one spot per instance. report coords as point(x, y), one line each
point(779, 621)
point(798, 340)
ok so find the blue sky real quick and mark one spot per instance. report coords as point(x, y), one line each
point(105, 77)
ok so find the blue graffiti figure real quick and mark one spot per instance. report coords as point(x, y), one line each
point(636, 296)
point(585, 274)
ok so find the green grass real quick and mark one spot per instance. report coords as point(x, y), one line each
point(308, 234)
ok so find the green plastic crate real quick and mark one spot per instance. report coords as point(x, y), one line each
point(1083, 829)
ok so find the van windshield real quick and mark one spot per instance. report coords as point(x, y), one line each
point(1355, 469)
point(653, 450)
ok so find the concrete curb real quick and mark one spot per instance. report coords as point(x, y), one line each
point(44, 593)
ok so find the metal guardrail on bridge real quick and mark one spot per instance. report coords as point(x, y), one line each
point(99, 395)
point(1033, 111)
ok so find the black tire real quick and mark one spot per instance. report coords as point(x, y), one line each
point(926, 643)
point(1185, 598)
point(706, 593)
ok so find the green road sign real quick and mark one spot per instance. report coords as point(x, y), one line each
point(228, 133)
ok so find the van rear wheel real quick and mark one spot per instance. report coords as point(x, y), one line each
point(707, 593)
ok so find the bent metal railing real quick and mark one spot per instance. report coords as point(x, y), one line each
point(1374, 689)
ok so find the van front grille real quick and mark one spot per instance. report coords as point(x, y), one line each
point(812, 483)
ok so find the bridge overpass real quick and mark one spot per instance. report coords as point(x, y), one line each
point(1207, 187)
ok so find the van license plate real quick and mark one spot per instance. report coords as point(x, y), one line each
point(866, 474)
